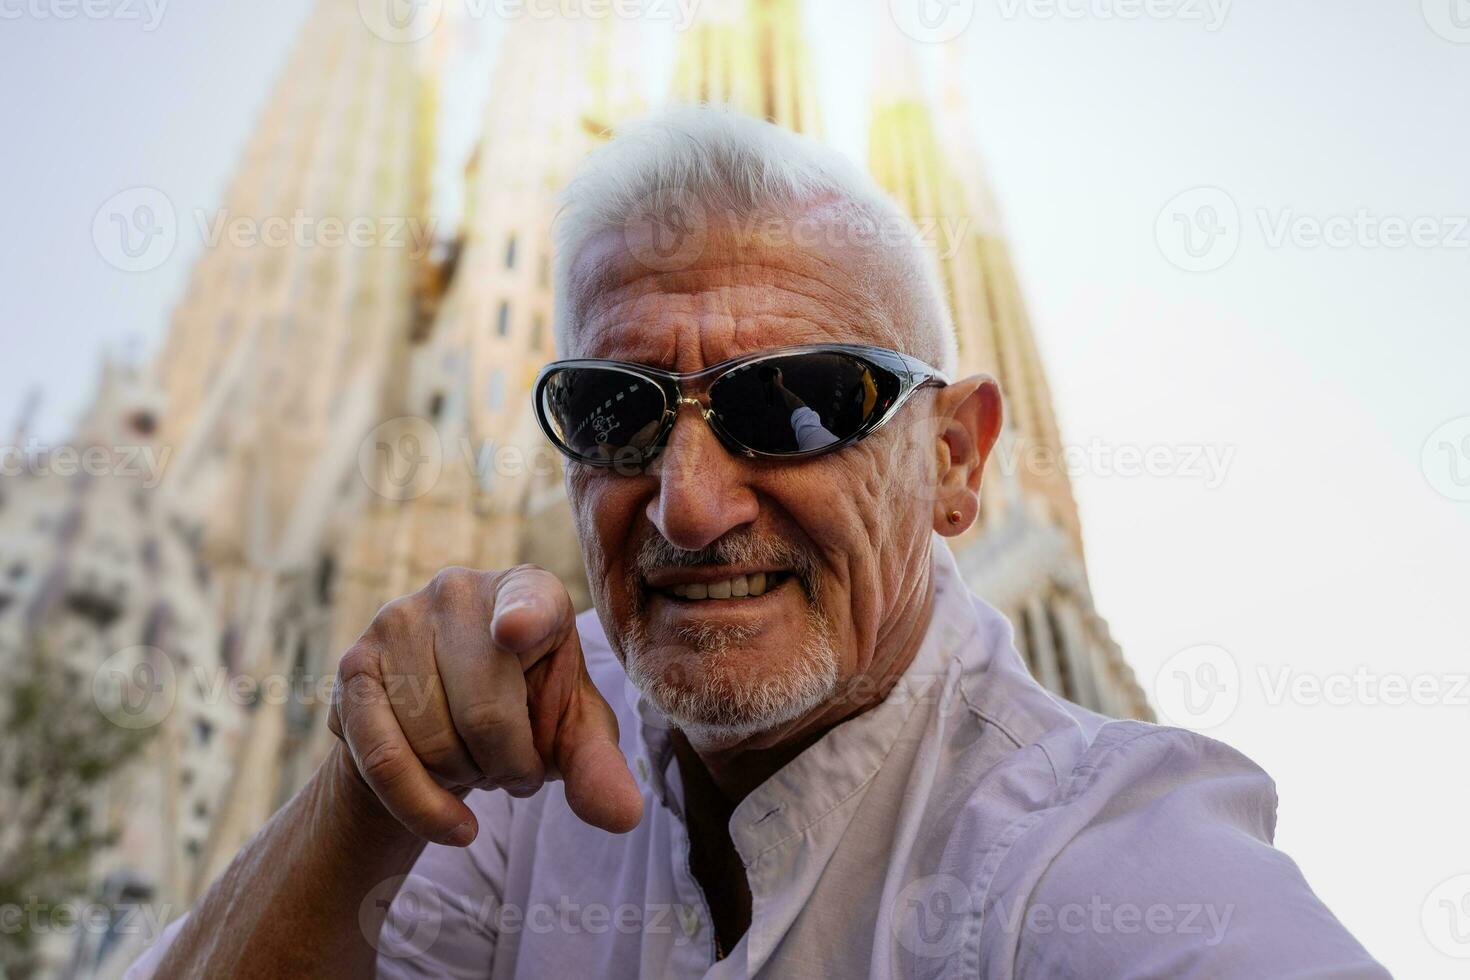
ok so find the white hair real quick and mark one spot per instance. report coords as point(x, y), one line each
point(736, 163)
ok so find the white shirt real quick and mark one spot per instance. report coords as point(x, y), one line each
point(969, 825)
point(810, 434)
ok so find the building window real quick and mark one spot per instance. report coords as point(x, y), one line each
point(326, 574)
point(1064, 656)
point(538, 326)
point(510, 251)
point(502, 319)
point(1028, 640)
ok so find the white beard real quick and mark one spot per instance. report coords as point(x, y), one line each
point(717, 706)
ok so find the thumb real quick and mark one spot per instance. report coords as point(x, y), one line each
point(600, 788)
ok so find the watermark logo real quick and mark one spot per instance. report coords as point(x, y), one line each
point(1210, 13)
point(942, 234)
point(1198, 687)
point(1450, 19)
point(407, 21)
point(135, 230)
point(932, 21)
point(1100, 915)
point(411, 914)
point(667, 232)
point(1445, 917)
point(139, 462)
point(37, 917)
point(1445, 459)
point(568, 917)
point(307, 231)
point(149, 13)
point(402, 458)
point(931, 915)
point(401, 21)
point(1206, 464)
point(1199, 229)
point(135, 688)
point(1363, 687)
point(1363, 228)
point(139, 687)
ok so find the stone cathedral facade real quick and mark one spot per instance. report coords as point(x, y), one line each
point(343, 422)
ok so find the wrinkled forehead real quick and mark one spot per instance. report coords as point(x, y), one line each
point(732, 285)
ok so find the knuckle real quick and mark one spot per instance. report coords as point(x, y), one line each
point(359, 679)
point(395, 618)
point(362, 659)
point(513, 773)
point(441, 754)
point(489, 720)
point(454, 586)
point(357, 690)
point(384, 764)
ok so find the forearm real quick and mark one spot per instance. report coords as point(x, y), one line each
point(291, 902)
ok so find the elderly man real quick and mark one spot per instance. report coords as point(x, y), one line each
point(839, 764)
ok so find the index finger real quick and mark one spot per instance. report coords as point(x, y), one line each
point(532, 614)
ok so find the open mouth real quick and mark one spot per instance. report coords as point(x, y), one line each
point(733, 587)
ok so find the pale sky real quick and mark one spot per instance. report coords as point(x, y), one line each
point(1323, 543)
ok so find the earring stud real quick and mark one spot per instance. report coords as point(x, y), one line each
point(954, 517)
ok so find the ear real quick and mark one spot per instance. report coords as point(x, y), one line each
point(971, 415)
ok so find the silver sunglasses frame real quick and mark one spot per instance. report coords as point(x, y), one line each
point(693, 387)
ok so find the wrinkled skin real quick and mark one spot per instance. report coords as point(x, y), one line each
point(864, 513)
point(501, 696)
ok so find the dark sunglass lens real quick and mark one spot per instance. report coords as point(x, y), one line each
point(603, 413)
point(800, 402)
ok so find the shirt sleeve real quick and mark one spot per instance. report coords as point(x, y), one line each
point(443, 922)
point(810, 434)
point(1158, 861)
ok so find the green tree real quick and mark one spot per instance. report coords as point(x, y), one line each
point(56, 750)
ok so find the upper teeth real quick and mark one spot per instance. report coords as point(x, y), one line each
point(737, 587)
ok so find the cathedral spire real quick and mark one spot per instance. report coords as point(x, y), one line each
point(925, 158)
point(751, 55)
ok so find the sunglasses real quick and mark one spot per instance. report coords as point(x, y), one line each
point(782, 403)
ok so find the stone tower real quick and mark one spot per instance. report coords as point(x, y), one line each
point(1025, 553)
point(346, 416)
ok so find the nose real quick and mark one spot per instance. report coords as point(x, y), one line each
point(703, 491)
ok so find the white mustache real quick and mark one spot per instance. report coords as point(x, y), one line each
point(736, 548)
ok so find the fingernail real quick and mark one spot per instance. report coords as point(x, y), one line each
point(512, 601)
point(461, 835)
point(511, 605)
